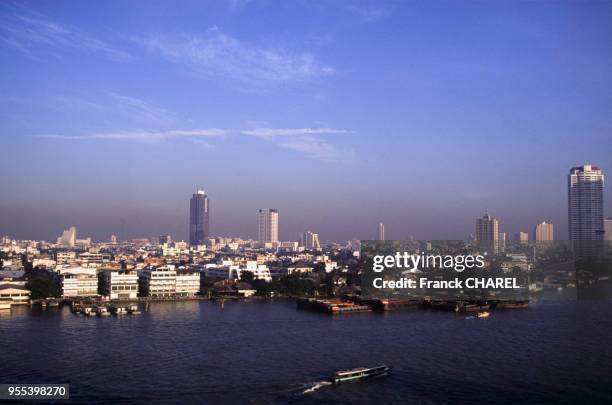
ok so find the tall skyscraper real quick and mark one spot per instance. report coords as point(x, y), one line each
point(381, 231)
point(68, 237)
point(487, 233)
point(544, 232)
point(310, 241)
point(608, 229)
point(268, 225)
point(585, 203)
point(199, 219)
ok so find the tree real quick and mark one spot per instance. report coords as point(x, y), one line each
point(247, 277)
point(42, 286)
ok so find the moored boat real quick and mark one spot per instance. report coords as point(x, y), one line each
point(513, 304)
point(118, 310)
point(359, 373)
point(133, 309)
point(102, 311)
point(472, 306)
point(52, 303)
point(485, 314)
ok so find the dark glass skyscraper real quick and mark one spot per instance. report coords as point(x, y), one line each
point(199, 220)
point(585, 203)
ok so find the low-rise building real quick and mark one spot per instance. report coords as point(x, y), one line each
point(260, 271)
point(187, 282)
point(78, 282)
point(65, 257)
point(299, 267)
point(119, 284)
point(14, 294)
point(157, 281)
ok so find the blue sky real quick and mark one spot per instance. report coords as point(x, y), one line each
point(423, 115)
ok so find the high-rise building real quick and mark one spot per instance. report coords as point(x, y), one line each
point(199, 218)
point(487, 228)
point(608, 229)
point(585, 203)
point(522, 237)
point(268, 225)
point(544, 232)
point(113, 239)
point(487, 233)
point(381, 231)
point(68, 237)
point(167, 239)
point(310, 241)
point(500, 246)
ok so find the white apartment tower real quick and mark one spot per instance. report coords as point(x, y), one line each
point(268, 225)
point(585, 203)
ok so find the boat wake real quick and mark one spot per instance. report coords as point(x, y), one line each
point(315, 386)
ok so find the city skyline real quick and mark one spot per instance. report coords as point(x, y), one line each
point(339, 115)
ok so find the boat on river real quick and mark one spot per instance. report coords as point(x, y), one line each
point(360, 373)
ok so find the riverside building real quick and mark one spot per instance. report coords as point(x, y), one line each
point(157, 281)
point(119, 284)
point(78, 282)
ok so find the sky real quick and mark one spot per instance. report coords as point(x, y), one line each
point(423, 115)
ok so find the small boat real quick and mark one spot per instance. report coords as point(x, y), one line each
point(76, 308)
point(52, 303)
point(133, 309)
point(485, 314)
point(471, 307)
point(88, 311)
point(359, 373)
point(118, 310)
point(513, 304)
point(102, 311)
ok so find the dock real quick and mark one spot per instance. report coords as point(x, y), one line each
point(358, 304)
point(331, 306)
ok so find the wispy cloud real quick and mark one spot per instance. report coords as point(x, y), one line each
point(29, 32)
point(142, 110)
point(306, 141)
point(276, 132)
point(317, 149)
point(368, 11)
point(136, 112)
point(216, 54)
point(141, 136)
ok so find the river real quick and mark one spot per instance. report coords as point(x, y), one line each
point(259, 352)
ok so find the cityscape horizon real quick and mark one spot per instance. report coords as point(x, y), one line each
point(529, 232)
